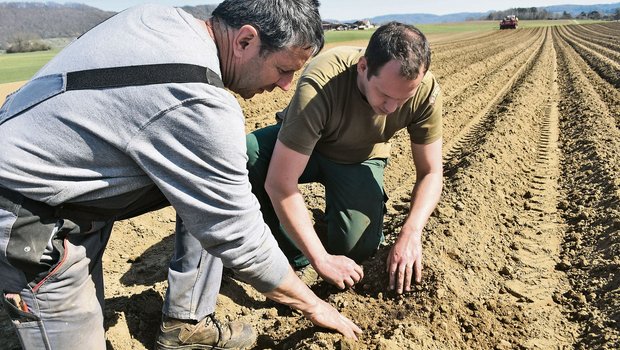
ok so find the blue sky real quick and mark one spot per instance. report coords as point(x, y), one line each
point(357, 9)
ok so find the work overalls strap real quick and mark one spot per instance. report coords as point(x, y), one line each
point(48, 86)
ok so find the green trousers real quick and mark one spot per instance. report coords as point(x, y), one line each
point(354, 196)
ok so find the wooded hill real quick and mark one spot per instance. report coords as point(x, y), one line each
point(33, 20)
point(46, 20)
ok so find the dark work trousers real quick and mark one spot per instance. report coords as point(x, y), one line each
point(354, 196)
point(52, 259)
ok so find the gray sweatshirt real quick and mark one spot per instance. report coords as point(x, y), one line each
point(188, 139)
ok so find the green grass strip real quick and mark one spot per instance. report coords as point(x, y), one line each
point(22, 66)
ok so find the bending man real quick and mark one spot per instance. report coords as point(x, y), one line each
point(131, 117)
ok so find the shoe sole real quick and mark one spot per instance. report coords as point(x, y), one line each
point(161, 346)
point(187, 347)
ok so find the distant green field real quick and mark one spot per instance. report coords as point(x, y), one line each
point(333, 36)
point(21, 66)
point(337, 36)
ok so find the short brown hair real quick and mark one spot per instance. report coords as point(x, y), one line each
point(402, 42)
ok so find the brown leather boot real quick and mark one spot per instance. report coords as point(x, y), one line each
point(206, 334)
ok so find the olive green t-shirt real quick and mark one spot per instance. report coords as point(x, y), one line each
point(329, 114)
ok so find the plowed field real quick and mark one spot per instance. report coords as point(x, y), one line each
point(523, 251)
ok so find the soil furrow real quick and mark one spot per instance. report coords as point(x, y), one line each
point(607, 94)
point(492, 60)
point(538, 244)
point(486, 254)
point(610, 29)
point(458, 129)
point(591, 46)
point(589, 166)
point(474, 129)
point(606, 47)
point(449, 60)
point(461, 109)
point(604, 67)
point(460, 43)
point(438, 39)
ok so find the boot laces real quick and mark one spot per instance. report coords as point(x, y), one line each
point(218, 326)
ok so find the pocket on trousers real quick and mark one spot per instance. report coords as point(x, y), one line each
point(29, 327)
point(17, 315)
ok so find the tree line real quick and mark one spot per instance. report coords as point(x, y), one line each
point(24, 26)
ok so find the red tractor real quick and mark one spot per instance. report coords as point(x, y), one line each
point(509, 22)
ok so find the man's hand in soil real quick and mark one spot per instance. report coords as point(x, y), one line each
point(294, 293)
point(405, 260)
point(339, 270)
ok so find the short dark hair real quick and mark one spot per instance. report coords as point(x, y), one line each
point(280, 23)
point(402, 42)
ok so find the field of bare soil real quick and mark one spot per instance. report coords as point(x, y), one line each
point(523, 250)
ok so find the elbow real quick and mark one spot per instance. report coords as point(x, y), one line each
point(435, 176)
point(277, 189)
point(273, 187)
point(270, 187)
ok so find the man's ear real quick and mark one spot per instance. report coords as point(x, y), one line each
point(362, 66)
point(246, 39)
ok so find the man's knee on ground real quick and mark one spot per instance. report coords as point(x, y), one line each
point(357, 236)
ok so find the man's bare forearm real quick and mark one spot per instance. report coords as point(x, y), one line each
point(293, 215)
point(424, 198)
